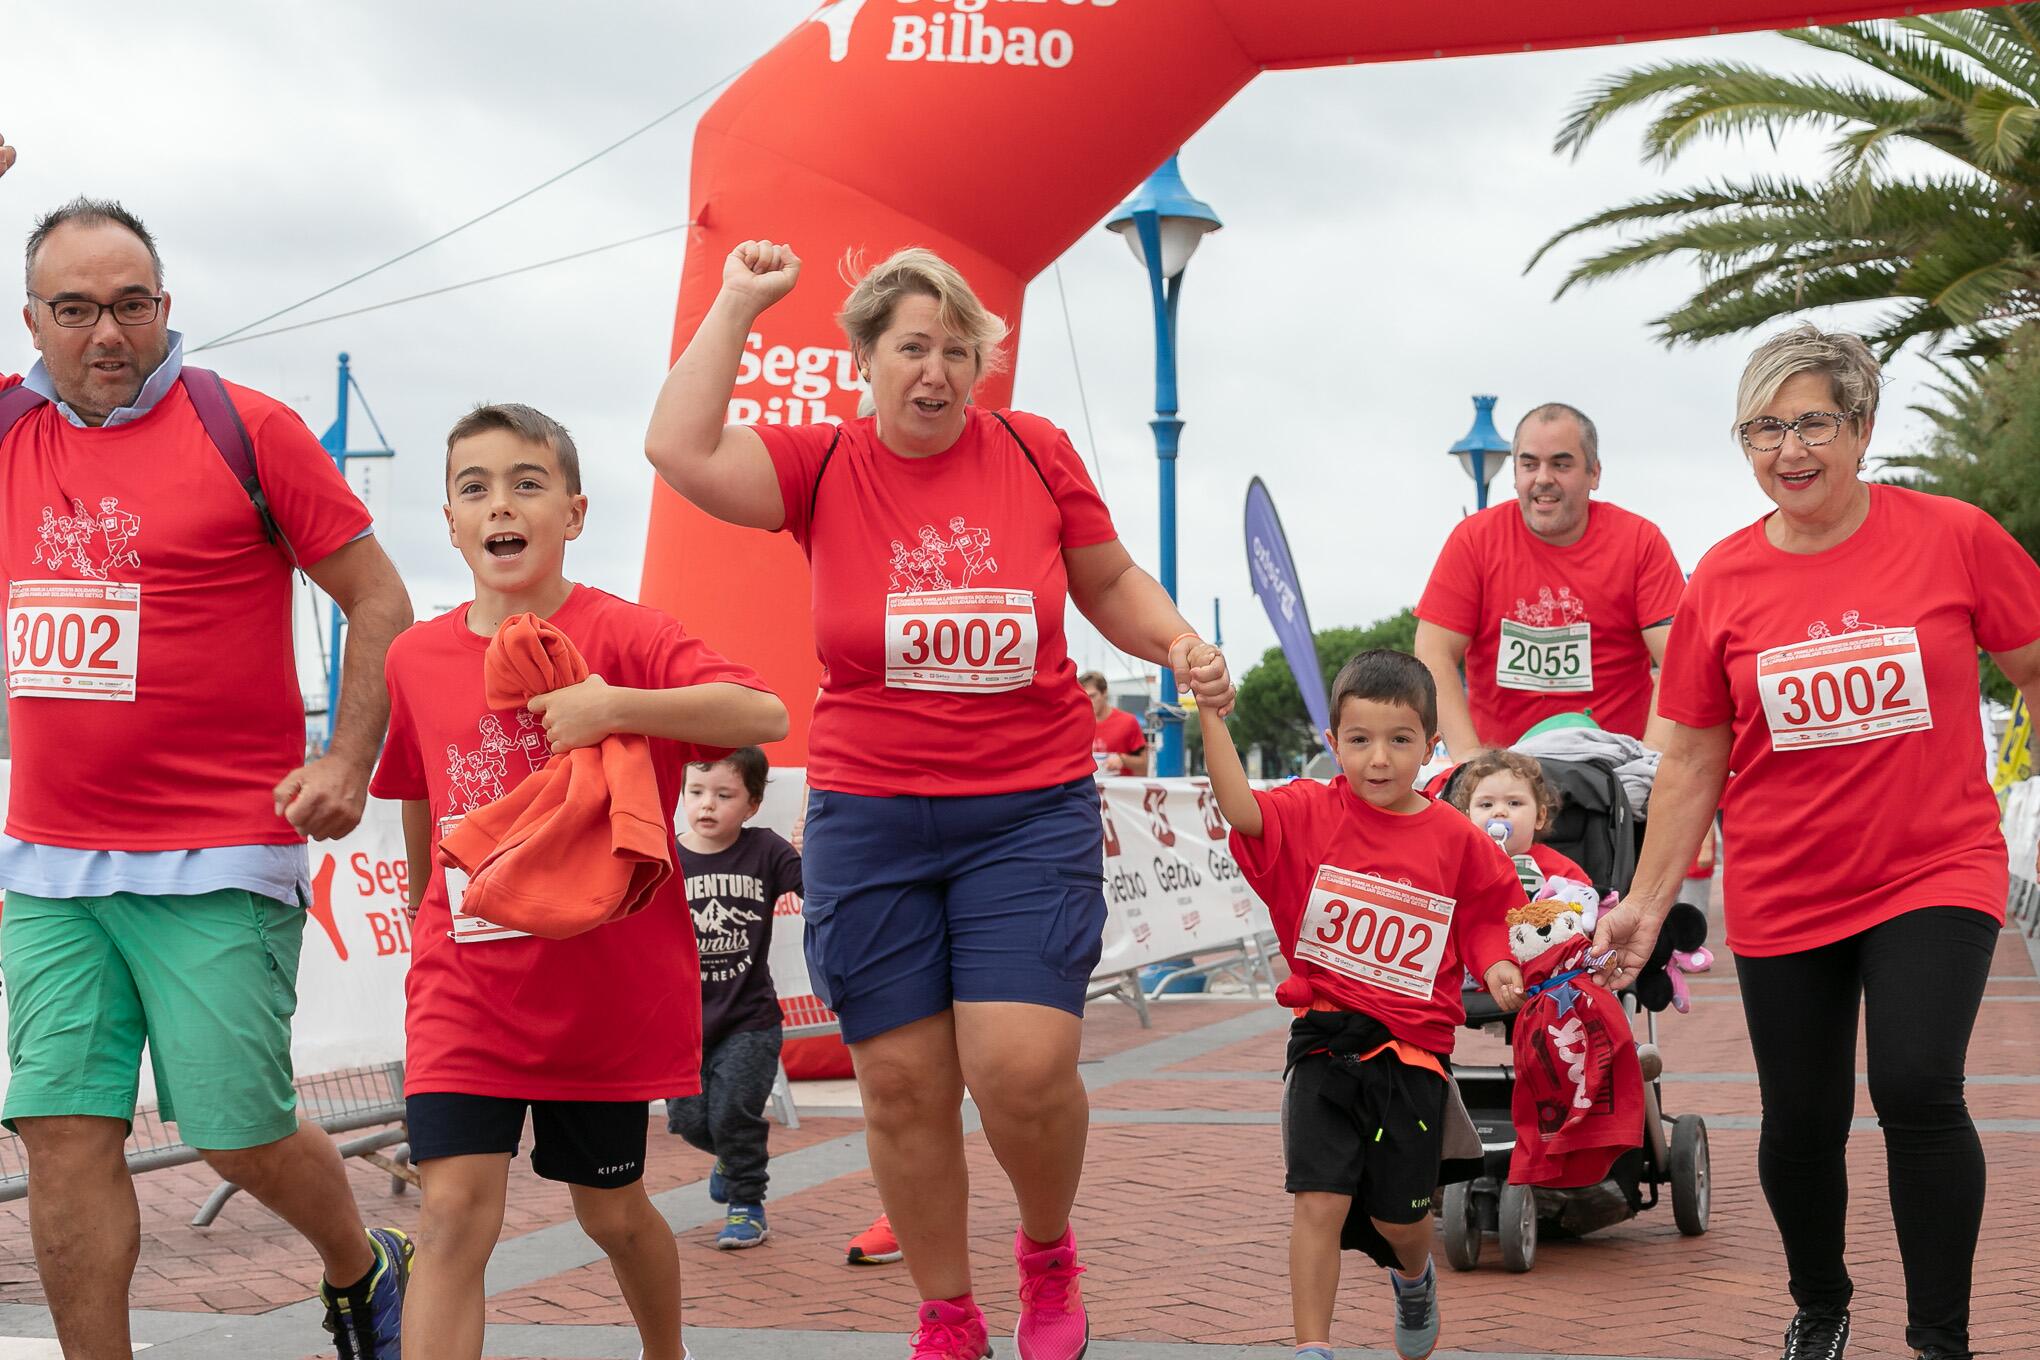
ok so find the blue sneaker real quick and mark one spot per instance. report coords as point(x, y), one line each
point(365, 1322)
point(1416, 1313)
point(745, 1227)
point(718, 1188)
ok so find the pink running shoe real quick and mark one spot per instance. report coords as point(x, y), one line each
point(950, 1333)
point(1053, 1324)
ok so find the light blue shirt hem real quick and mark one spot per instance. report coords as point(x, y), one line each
point(280, 872)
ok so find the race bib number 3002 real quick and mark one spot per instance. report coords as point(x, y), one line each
point(73, 639)
point(1835, 691)
point(1387, 935)
point(1547, 660)
point(974, 641)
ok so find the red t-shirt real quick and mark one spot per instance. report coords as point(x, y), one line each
point(138, 568)
point(938, 605)
point(613, 1014)
point(1856, 787)
point(1119, 733)
point(1554, 630)
point(1556, 865)
point(1324, 853)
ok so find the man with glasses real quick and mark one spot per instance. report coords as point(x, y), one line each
point(154, 861)
point(1555, 604)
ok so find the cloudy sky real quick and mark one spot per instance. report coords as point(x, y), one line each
point(1369, 278)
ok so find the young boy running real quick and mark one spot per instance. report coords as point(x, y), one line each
point(733, 874)
point(1378, 896)
point(582, 1032)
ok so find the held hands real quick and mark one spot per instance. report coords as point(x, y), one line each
point(6, 156)
point(759, 273)
point(322, 799)
point(1505, 985)
point(579, 715)
point(1201, 667)
point(1631, 934)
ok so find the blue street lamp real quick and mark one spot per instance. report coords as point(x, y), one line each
point(1483, 452)
point(1162, 224)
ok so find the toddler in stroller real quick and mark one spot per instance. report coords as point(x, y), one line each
point(1569, 819)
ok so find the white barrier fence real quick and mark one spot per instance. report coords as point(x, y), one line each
point(1171, 890)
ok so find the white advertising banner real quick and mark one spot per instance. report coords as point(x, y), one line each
point(1170, 889)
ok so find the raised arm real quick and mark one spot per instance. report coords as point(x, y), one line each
point(1228, 776)
point(1442, 651)
point(723, 469)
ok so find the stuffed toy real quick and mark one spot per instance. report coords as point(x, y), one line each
point(1680, 950)
point(1578, 1102)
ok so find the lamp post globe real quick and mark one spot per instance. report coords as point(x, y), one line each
point(1483, 451)
point(1162, 224)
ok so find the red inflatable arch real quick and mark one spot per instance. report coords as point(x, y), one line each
point(1065, 108)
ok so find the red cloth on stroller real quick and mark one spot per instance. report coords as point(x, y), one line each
point(1578, 1102)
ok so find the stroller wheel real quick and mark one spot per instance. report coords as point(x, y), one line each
point(1459, 1217)
point(1517, 1228)
point(1689, 1174)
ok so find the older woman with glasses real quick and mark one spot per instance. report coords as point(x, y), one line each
point(1827, 656)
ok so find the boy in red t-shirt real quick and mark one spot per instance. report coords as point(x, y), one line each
point(581, 1033)
point(1379, 897)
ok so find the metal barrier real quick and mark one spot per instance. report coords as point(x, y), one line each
point(339, 1102)
point(2022, 905)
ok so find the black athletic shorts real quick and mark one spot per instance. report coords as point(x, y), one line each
point(1333, 1138)
point(597, 1143)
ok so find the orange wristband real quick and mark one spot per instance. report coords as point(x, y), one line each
point(1170, 650)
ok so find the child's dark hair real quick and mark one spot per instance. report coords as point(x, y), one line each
point(1386, 676)
point(1468, 777)
point(750, 764)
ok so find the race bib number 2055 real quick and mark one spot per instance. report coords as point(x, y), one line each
point(73, 639)
point(1545, 660)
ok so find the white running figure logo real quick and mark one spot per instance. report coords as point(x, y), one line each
point(1551, 610)
point(1852, 622)
point(67, 540)
point(837, 18)
point(928, 567)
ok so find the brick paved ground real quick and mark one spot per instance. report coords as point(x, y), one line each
point(1183, 1223)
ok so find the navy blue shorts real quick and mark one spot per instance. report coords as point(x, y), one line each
point(912, 904)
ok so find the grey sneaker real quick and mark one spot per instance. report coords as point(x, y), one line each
point(1416, 1314)
point(1817, 1334)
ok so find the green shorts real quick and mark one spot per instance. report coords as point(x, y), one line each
point(209, 980)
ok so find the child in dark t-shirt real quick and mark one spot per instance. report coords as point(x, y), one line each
point(733, 874)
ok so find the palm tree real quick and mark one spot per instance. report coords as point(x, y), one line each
point(1958, 252)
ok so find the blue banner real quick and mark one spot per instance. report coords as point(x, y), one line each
point(1281, 594)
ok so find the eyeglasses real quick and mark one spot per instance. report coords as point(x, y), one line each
point(77, 313)
point(1814, 429)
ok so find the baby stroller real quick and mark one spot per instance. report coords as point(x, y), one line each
point(1597, 828)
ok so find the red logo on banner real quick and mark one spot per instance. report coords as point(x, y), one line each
point(1155, 800)
point(322, 905)
point(1207, 808)
point(1111, 831)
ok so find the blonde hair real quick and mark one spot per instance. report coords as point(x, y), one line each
point(917, 272)
point(1853, 373)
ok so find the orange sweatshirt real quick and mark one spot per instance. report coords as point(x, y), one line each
point(580, 842)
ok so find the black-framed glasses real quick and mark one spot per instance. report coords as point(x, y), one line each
point(1814, 429)
point(137, 309)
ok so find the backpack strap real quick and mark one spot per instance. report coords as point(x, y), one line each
point(815, 489)
point(223, 426)
point(1000, 417)
point(16, 402)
